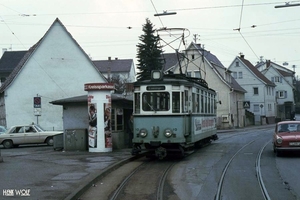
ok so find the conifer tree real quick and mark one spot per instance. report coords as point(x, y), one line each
point(148, 52)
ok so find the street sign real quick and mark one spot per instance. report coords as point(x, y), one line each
point(37, 102)
point(246, 104)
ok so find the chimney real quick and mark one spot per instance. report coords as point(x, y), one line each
point(109, 58)
point(116, 58)
point(242, 55)
point(3, 50)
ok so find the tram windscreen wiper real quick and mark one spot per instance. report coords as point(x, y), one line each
point(150, 105)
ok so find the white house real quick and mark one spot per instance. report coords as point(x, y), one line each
point(260, 90)
point(283, 78)
point(198, 62)
point(56, 67)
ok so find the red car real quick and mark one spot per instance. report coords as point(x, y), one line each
point(286, 137)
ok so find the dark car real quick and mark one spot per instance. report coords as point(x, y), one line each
point(286, 137)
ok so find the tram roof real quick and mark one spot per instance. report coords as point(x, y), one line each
point(177, 79)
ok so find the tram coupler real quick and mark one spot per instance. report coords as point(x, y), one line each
point(161, 153)
point(136, 149)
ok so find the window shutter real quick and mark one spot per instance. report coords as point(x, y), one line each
point(285, 94)
point(277, 94)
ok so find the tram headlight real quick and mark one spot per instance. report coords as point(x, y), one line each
point(143, 133)
point(279, 140)
point(168, 133)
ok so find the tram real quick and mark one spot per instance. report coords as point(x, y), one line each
point(173, 114)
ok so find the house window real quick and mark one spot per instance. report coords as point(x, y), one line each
point(237, 64)
point(276, 79)
point(193, 56)
point(269, 107)
point(282, 94)
point(234, 74)
point(240, 75)
point(189, 74)
point(256, 108)
point(117, 121)
point(255, 91)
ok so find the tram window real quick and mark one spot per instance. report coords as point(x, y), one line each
point(137, 106)
point(205, 102)
point(185, 101)
point(212, 103)
point(194, 103)
point(202, 101)
point(156, 101)
point(198, 103)
point(176, 102)
point(208, 102)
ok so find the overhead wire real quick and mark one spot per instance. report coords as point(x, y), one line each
point(239, 30)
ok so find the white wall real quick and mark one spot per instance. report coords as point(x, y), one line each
point(57, 69)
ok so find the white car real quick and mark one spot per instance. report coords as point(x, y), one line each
point(27, 134)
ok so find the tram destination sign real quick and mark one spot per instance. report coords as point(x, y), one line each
point(156, 87)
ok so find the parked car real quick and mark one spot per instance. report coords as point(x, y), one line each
point(27, 134)
point(286, 137)
point(2, 130)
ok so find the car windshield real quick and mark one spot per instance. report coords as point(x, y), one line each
point(291, 127)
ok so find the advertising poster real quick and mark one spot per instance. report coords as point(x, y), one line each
point(107, 125)
point(92, 123)
point(93, 126)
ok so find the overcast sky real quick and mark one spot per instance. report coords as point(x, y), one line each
point(101, 26)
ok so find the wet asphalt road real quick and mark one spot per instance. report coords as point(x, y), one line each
point(40, 172)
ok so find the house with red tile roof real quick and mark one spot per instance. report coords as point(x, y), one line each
point(195, 61)
point(260, 90)
point(284, 80)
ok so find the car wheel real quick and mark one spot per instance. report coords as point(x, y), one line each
point(49, 141)
point(7, 144)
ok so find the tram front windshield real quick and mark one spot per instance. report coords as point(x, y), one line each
point(156, 101)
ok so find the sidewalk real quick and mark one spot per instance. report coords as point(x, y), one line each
point(39, 172)
point(246, 128)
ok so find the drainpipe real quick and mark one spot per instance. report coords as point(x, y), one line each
point(229, 106)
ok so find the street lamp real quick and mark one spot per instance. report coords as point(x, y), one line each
point(165, 13)
point(287, 5)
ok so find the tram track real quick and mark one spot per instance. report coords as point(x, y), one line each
point(161, 170)
point(220, 189)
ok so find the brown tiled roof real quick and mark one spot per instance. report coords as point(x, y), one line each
point(257, 73)
point(233, 84)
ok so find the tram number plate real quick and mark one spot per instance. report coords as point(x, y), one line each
point(294, 143)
